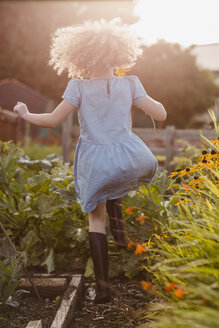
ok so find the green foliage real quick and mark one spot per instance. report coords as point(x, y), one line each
point(10, 273)
point(40, 209)
point(42, 215)
point(189, 256)
point(149, 201)
point(37, 150)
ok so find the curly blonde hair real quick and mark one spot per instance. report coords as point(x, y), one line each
point(90, 49)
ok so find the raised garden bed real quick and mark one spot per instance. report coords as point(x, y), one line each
point(59, 294)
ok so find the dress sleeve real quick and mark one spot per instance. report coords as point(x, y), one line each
point(72, 93)
point(138, 91)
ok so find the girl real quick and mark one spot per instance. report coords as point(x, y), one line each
point(110, 160)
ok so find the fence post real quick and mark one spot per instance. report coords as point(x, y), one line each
point(169, 144)
point(9, 125)
point(67, 138)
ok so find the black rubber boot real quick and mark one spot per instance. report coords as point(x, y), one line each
point(114, 210)
point(99, 254)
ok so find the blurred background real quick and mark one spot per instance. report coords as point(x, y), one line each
point(179, 66)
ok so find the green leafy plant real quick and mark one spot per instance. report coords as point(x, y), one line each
point(10, 273)
point(40, 209)
point(56, 300)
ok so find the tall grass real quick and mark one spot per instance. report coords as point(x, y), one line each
point(186, 275)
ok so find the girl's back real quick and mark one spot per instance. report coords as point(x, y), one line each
point(110, 160)
point(105, 106)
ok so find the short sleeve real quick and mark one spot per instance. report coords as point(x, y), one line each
point(138, 91)
point(72, 93)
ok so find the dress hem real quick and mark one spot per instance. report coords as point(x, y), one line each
point(104, 199)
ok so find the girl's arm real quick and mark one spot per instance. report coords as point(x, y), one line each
point(47, 120)
point(153, 108)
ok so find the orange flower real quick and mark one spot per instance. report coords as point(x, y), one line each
point(129, 245)
point(179, 293)
point(146, 285)
point(169, 287)
point(141, 219)
point(139, 249)
point(129, 210)
point(185, 187)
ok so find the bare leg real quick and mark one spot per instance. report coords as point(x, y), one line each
point(97, 219)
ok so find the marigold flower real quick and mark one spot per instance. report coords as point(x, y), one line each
point(157, 236)
point(129, 245)
point(129, 209)
point(146, 285)
point(182, 201)
point(139, 249)
point(179, 293)
point(186, 187)
point(141, 219)
point(172, 174)
point(169, 287)
point(148, 244)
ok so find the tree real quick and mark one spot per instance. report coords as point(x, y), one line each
point(170, 75)
point(25, 33)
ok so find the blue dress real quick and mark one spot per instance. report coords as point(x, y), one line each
point(110, 160)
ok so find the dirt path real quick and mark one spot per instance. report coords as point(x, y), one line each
point(128, 306)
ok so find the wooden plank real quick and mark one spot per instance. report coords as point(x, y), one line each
point(34, 324)
point(149, 133)
point(51, 275)
point(194, 133)
point(66, 310)
point(47, 282)
point(169, 144)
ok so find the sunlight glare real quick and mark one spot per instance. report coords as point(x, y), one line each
point(183, 21)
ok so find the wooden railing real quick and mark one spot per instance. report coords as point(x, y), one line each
point(166, 141)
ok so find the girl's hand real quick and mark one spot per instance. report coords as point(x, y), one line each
point(21, 109)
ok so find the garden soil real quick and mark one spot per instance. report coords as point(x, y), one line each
point(128, 306)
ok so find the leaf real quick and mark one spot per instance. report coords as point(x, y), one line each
point(45, 164)
point(89, 270)
point(49, 261)
point(10, 301)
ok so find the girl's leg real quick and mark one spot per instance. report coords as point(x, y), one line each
point(114, 210)
point(99, 252)
point(97, 219)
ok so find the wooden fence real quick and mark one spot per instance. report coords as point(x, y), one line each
point(167, 141)
point(161, 141)
point(9, 125)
